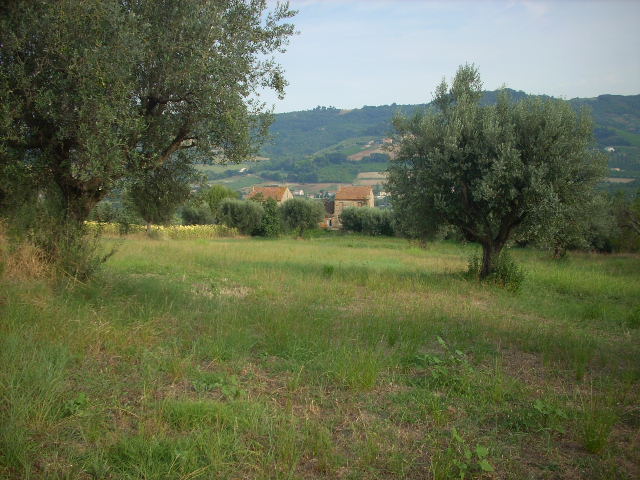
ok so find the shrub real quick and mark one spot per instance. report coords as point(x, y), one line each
point(271, 225)
point(196, 215)
point(367, 220)
point(67, 246)
point(244, 215)
point(104, 212)
point(302, 214)
point(216, 194)
point(123, 214)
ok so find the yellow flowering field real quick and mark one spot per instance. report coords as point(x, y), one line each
point(174, 232)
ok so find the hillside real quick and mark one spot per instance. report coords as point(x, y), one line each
point(327, 144)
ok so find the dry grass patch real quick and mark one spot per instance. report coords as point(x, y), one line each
point(22, 262)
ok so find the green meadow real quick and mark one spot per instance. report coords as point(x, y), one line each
point(332, 357)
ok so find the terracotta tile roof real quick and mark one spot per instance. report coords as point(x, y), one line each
point(269, 192)
point(354, 193)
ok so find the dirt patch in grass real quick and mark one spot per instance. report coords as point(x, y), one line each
point(237, 292)
point(209, 291)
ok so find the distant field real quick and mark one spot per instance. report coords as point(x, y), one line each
point(371, 178)
point(619, 180)
point(337, 357)
point(347, 147)
point(372, 175)
point(316, 187)
point(239, 182)
point(367, 182)
point(365, 153)
point(217, 168)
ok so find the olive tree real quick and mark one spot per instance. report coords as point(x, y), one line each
point(214, 195)
point(66, 84)
point(93, 91)
point(491, 170)
point(301, 214)
point(367, 220)
point(244, 215)
point(200, 73)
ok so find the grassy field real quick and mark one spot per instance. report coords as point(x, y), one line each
point(335, 357)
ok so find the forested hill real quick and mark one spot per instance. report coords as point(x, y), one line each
point(329, 145)
point(309, 131)
point(304, 133)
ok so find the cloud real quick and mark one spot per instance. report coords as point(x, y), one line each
point(536, 9)
point(354, 52)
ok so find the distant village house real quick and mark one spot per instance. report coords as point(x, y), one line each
point(279, 194)
point(351, 196)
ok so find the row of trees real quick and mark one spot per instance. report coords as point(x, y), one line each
point(99, 92)
point(154, 203)
point(608, 223)
point(260, 217)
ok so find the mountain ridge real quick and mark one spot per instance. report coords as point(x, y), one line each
point(290, 131)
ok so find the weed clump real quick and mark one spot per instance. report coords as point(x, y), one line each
point(507, 273)
point(461, 460)
point(595, 422)
point(328, 270)
point(633, 319)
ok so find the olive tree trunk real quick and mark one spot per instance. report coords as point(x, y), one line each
point(490, 253)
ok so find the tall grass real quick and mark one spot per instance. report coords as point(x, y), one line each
point(335, 357)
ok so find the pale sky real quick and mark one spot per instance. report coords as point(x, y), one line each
point(351, 53)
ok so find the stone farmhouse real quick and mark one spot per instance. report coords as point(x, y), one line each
point(279, 194)
point(352, 196)
point(349, 196)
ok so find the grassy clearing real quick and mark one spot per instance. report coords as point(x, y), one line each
point(335, 357)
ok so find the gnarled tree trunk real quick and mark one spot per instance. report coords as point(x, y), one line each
point(490, 253)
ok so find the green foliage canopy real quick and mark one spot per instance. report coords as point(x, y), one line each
point(244, 215)
point(367, 220)
point(202, 65)
point(66, 89)
point(214, 195)
point(490, 170)
point(157, 192)
point(272, 224)
point(302, 214)
point(91, 91)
